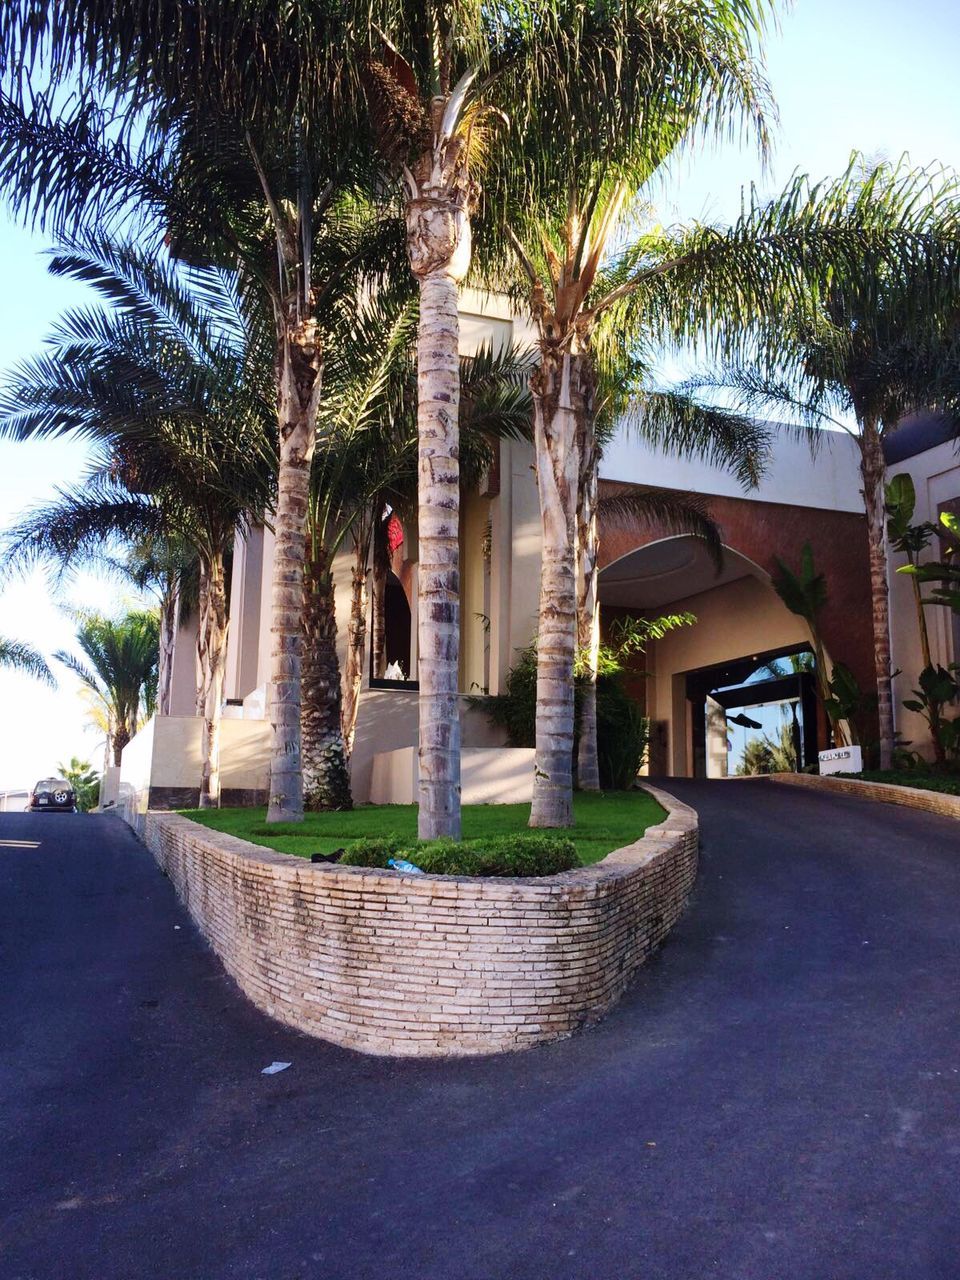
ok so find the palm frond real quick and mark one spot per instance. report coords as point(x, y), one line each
point(682, 426)
point(15, 655)
point(667, 510)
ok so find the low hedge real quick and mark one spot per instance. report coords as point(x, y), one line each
point(904, 778)
point(519, 855)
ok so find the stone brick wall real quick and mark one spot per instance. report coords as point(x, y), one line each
point(428, 965)
point(884, 792)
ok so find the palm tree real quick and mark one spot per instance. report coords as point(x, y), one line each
point(804, 592)
point(433, 124)
point(234, 167)
point(167, 567)
point(770, 755)
point(120, 670)
point(166, 389)
point(635, 81)
point(626, 400)
point(640, 82)
point(870, 350)
point(15, 655)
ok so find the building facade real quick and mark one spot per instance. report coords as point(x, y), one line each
point(691, 678)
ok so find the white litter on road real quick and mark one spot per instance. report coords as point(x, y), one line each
point(274, 1067)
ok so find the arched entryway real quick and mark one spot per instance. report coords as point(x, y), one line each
point(691, 678)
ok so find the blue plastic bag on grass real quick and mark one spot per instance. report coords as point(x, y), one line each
point(401, 864)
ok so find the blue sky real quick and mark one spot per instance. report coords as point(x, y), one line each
point(875, 75)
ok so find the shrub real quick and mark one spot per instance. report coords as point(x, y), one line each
point(623, 732)
point(516, 855)
point(905, 778)
point(623, 735)
point(372, 851)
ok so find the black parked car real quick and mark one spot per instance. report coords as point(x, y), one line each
point(52, 793)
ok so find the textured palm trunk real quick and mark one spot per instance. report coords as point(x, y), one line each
point(299, 385)
point(439, 204)
point(873, 473)
point(356, 646)
point(588, 612)
point(558, 387)
point(213, 626)
point(203, 606)
point(326, 780)
point(121, 736)
point(169, 618)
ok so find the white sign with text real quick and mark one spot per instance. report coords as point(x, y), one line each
point(841, 760)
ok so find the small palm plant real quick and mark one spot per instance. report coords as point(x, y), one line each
point(85, 782)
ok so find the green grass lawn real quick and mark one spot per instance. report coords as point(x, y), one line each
point(603, 823)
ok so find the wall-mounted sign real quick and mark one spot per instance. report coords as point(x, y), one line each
point(841, 760)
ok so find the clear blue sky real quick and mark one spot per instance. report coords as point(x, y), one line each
point(874, 75)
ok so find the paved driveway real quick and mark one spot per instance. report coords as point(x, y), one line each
point(778, 1095)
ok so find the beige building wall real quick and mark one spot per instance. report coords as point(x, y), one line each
point(475, 556)
point(246, 602)
point(186, 669)
point(388, 722)
point(515, 560)
point(163, 761)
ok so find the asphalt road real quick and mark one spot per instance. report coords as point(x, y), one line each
point(778, 1095)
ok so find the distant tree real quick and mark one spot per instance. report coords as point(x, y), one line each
point(770, 755)
point(120, 669)
point(165, 380)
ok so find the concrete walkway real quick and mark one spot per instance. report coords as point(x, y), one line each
point(778, 1095)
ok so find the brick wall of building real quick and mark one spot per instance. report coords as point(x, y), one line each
point(429, 965)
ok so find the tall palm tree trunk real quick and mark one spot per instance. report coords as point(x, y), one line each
point(356, 644)
point(588, 612)
point(559, 389)
point(169, 619)
point(298, 400)
point(440, 202)
point(873, 470)
point(326, 781)
point(438, 381)
point(203, 608)
point(213, 625)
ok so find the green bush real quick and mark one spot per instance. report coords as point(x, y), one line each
point(907, 778)
point(516, 855)
point(623, 733)
point(372, 851)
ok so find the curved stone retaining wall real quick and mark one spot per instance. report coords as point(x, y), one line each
point(418, 964)
point(883, 792)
